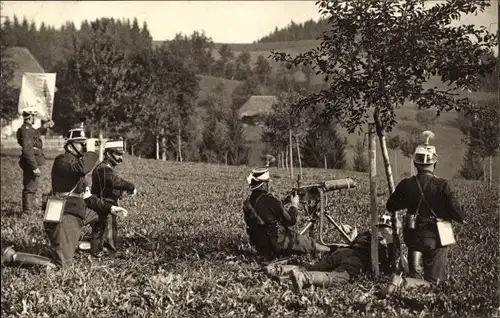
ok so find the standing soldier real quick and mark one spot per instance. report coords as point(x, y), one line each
point(32, 157)
point(429, 201)
point(107, 185)
point(268, 221)
point(68, 182)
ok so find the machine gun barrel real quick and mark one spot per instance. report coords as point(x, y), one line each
point(339, 184)
point(311, 191)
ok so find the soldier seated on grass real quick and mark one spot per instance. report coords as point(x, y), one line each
point(268, 221)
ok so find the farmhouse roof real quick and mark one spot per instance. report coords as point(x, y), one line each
point(257, 105)
point(25, 63)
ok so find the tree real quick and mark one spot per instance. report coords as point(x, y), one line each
point(8, 103)
point(394, 143)
point(479, 124)
point(472, 168)
point(225, 53)
point(96, 80)
point(262, 69)
point(359, 162)
point(373, 61)
point(323, 143)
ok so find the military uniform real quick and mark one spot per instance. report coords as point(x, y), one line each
point(339, 266)
point(354, 259)
point(268, 226)
point(69, 170)
point(31, 158)
point(424, 238)
point(107, 185)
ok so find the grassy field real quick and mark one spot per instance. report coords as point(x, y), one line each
point(184, 252)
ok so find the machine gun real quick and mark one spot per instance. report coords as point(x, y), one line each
point(314, 200)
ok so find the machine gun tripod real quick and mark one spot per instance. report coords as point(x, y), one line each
point(314, 200)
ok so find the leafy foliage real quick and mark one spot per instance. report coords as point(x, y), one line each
point(323, 141)
point(479, 124)
point(8, 103)
point(472, 167)
point(360, 163)
point(368, 67)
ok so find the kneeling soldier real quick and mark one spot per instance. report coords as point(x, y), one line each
point(107, 185)
point(268, 221)
point(68, 182)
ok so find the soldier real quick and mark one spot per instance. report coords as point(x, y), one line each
point(107, 185)
point(428, 200)
point(32, 157)
point(68, 182)
point(268, 221)
point(343, 263)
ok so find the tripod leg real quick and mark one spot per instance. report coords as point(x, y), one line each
point(306, 228)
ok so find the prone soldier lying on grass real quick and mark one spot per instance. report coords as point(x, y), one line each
point(268, 221)
point(339, 266)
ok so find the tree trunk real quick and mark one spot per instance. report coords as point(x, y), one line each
point(179, 144)
point(125, 145)
point(385, 154)
point(157, 147)
point(132, 149)
point(225, 158)
point(298, 155)
point(101, 146)
point(373, 197)
point(286, 160)
point(324, 157)
point(282, 160)
point(396, 162)
point(163, 149)
point(291, 152)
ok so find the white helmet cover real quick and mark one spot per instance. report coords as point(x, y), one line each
point(257, 177)
point(425, 154)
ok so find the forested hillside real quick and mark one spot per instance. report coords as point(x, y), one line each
point(309, 30)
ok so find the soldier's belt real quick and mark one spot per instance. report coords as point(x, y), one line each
point(426, 219)
point(69, 194)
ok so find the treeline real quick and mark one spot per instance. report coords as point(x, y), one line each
point(309, 30)
point(109, 72)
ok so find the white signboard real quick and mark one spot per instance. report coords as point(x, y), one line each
point(37, 93)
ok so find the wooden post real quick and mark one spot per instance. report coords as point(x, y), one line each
point(326, 166)
point(298, 155)
point(291, 152)
point(373, 197)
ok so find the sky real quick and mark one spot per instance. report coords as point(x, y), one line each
point(223, 21)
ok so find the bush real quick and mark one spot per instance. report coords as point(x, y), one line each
point(472, 168)
point(360, 162)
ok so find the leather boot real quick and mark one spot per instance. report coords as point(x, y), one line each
point(28, 203)
point(110, 236)
point(414, 259)
point(11, 257)
point(301, 278)
point(279, 270)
